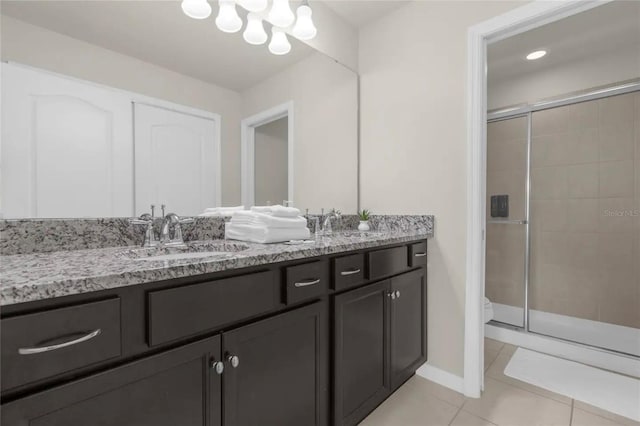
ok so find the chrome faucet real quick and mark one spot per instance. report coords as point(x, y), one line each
point(147, 220)
point(173, 220)
point(326, 226)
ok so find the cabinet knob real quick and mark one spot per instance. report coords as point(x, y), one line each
point(217, 366)
point(397, 294)
point(392, 295)
point(233, 360)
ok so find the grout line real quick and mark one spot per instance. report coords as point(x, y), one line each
point(454, 417)
point(571, 416)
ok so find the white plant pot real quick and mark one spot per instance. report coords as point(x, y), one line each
point(364, 225)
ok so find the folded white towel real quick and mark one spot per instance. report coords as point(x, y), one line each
point(262, 209)
point(263, 234)
point(280, 211)
point(254, 218)
point(221, 211)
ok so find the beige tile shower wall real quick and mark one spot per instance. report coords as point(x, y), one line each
point(585, 210)
point(506, 175)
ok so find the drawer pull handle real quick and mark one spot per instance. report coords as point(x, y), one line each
point(41, 349)
point(233, 360)
point(423, 254)
point(347, 273)
point(307, 283)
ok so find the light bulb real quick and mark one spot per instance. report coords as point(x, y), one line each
point(254, 5)
point(304, 28)
point(228, 19)
point(254, 33)
point(279, 44)
point(196, 9)
point(536, 55)
point(280, 14)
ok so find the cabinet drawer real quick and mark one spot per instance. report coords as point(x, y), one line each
point(348, 271)
point(418, 254)
point(186, 311)
point(387, 262)
point(44, 344)
point(306, 281)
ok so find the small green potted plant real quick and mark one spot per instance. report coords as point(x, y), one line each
point(364, 215)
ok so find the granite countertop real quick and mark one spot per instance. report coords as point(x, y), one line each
point(37, 276)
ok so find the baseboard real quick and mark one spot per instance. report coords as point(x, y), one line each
point(595, 357)
point(441, 377)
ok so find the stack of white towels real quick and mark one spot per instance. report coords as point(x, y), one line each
point(267, 224)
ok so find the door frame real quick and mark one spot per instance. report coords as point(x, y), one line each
point(519, 20)
point(247, 148)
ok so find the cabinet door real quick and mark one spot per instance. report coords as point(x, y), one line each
point(66, 147)
point(361, 352)
point(408, 325)
point(176, 160)
point(177, 387)
point(280, 377)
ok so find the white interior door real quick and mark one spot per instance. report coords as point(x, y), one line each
point(176, 160)
point(66, 147)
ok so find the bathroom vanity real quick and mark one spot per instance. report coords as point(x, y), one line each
point(314, 334)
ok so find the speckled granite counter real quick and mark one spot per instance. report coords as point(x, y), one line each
point(36, 276)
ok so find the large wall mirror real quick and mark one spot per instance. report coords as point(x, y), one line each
point(109, 107)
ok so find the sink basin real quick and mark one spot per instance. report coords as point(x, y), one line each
point(203, 250)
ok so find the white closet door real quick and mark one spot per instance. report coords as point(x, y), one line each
point(66, 147)
point(176, 160)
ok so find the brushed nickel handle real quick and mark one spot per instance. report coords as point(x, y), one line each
point(347, 273)
point(423, 254)
point(397, 294)
point(307, 283)
point(41, 349)
point(392, 295)
point(233, 360)
point(217, 366)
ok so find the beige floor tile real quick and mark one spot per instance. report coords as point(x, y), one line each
point(578, 405)
point(584, 418)
point(507, 405)
point(423, 387)
point(496, 371)
point(467, 419)
point(493, 345)
point(489, 358)
point(408, 408)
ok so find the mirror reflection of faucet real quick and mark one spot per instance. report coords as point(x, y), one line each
point(169, 221)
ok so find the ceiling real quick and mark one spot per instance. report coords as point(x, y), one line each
point(358, 13)
point(615, 25)
point(158, 32)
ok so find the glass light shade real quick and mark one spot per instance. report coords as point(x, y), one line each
point(279, 44)
point(196, 9)
point(254, 5)
point(280, 14)
point(228, 19)
point(536, 55)
point(304, 28)
point(254, 33)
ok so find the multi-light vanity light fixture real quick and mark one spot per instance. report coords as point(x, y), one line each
point(279, 15)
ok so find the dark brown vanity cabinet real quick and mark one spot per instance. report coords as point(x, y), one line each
point(177, 387)
point(380, 340)
point(271, 372)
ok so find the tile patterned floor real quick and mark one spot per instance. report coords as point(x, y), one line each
point(505, 402)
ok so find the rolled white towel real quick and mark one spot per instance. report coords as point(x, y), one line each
point(262, 209)
point(221, 211)
point(254, 218)
point(264, 235)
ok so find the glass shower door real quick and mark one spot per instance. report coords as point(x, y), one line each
point(585, 223)
point(506, 231)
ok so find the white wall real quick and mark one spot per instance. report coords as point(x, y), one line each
point(413, 143)
point(324, 96)
point(609, 68)
point(31, 45)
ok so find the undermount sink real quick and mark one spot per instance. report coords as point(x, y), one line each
point(220, 249)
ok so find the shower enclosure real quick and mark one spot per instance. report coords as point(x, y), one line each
point(563, 218)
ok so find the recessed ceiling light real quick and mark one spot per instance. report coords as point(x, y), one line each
point(536, 55)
